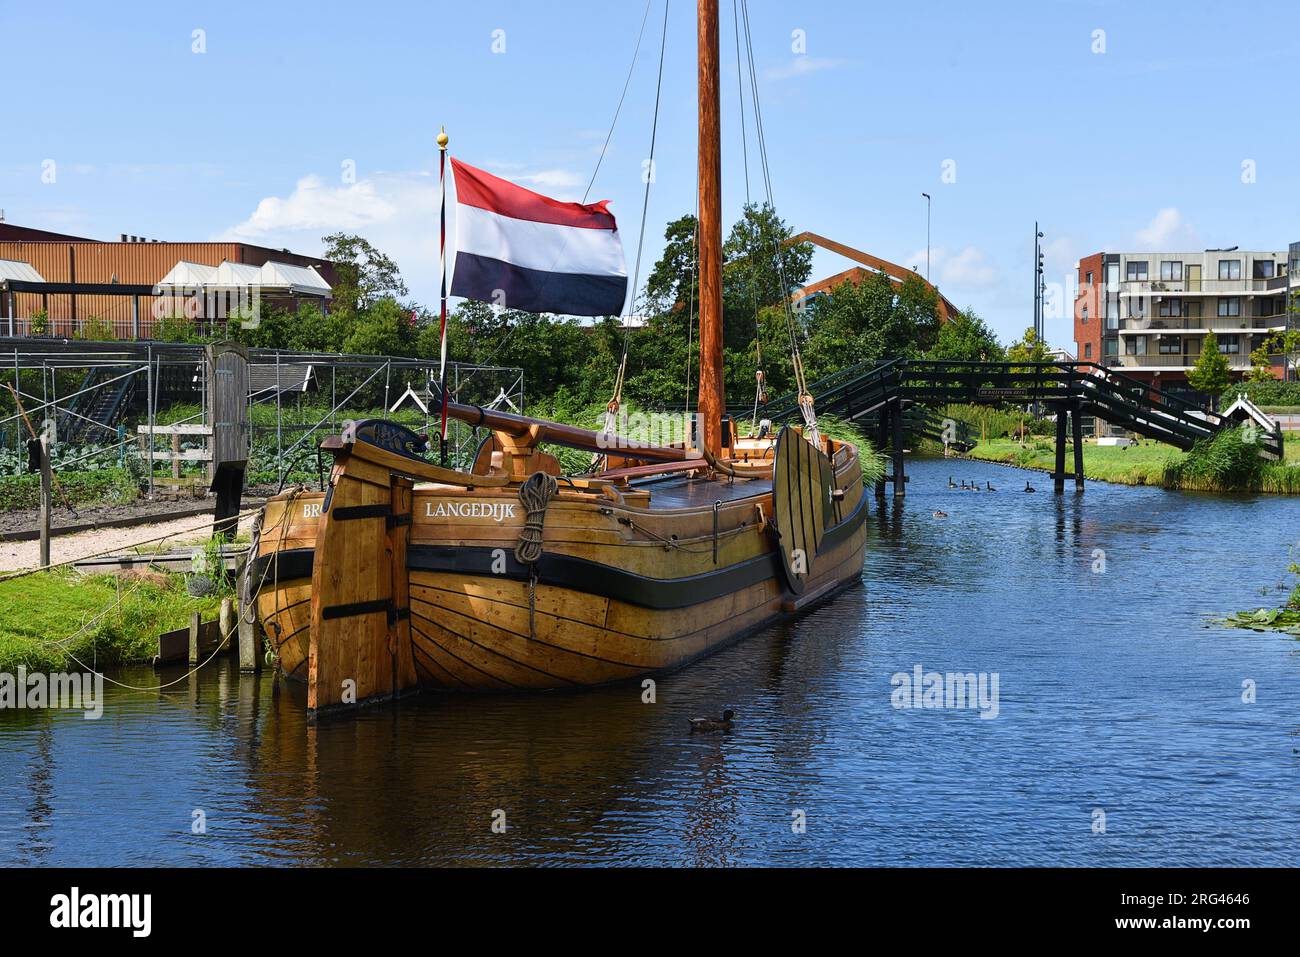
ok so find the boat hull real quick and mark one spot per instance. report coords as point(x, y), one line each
point(385, 586)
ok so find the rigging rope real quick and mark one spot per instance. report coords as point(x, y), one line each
point(611, 410)
point(805, 400)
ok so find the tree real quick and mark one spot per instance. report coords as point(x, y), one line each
point(965, 337)
point(1028, 348)
point(1210, 374)
point(381, 329)
point(1285, 343)
point(362, 274)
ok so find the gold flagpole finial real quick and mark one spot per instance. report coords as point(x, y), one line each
point(442, 139)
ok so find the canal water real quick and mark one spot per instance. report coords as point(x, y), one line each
point(1121, 736)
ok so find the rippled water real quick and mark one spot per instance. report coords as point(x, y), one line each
point(1115, 693)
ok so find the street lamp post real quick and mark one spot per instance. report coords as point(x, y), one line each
point(927, 236)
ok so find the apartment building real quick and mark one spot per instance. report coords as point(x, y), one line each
point(1147, 313)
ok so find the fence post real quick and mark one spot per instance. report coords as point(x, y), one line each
point(45, 500)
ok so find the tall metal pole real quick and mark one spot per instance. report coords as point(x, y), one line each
point(927, 236)
point(712, 403)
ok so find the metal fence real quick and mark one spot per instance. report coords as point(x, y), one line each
point(138, 405)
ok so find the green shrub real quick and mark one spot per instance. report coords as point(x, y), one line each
point(98, 487)
point(1229, 462)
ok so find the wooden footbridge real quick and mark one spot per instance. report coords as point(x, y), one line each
point(887, 391)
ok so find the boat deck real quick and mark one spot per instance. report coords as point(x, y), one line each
point(681, 491)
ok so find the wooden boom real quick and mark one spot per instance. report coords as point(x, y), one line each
point(534, 431)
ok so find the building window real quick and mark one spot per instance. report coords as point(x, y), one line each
point(1171, 271)
point(1112, 276)
point(1084, 315)
point(1171, 308)
point(1230, 345)
point(1087, 350)
point(1137, 270)
point(1171, 346)
point(1229, 268)
point(1263, 269)
point(1088, 278)
point(1110, 346)
point(1229, 307)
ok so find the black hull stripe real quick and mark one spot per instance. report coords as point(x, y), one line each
point(536, 290)
point(594, 578)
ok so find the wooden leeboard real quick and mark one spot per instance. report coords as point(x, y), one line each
point(801, 503)
point(352, 568)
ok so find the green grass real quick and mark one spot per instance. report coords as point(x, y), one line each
point(38, 611)
point(1146, 463)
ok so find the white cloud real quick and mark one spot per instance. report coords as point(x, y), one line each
point(801, 66)
point(966, 269)
point(313, 205)
point(1167, 230)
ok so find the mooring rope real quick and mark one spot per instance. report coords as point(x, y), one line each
point(534, 494)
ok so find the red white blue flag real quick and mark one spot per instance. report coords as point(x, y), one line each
point(526, 251)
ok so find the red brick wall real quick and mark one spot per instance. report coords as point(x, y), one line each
point(1090, 332)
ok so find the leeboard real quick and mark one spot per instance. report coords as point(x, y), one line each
point(802, 479)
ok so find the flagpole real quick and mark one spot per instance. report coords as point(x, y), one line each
point(442, 255)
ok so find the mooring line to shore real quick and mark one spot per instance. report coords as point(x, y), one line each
point(23, 572)
point(225, 636)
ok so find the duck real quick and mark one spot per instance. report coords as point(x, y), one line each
point(1028, 487)
point(988, 487)
point(964, 486)
point(705, 725)
point(940, 514)
point(951, 483)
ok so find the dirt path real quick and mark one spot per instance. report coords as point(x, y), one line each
point(184, 531)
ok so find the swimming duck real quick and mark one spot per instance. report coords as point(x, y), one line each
point(988, 487)
point(939, 514)
point(1028, 487)
point(951, 483)
point(713, 724)
point(964, 486)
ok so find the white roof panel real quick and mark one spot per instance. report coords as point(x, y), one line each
point(19, 271)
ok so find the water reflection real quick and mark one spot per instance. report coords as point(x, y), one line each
point(1114, 694)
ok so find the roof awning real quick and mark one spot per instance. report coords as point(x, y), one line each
point(271, 277)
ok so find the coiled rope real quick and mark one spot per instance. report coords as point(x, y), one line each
point(535, 494)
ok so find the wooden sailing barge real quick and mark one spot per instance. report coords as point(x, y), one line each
point(405, 574)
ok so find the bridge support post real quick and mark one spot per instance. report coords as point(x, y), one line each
point(882, 441)
point(900, 476)
point(1058, 475)
point(1076, 425)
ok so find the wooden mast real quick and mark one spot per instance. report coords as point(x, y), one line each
point(712, 397)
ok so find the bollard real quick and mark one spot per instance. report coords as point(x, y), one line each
point(227, 624)
point(249, 661)
point(194, 639)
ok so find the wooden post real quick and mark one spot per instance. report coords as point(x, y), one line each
point(45, 501)
point(176, 456)
point(1076, 422)
point(1058, 476)
point(882, 441)
point(227, 623)
point(249, 659)
point(900, 477)
point(228, 411)
point(194, 639)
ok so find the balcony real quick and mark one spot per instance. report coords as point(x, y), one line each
point(1220, 324)
point(1237, 361)
point(1209, 287)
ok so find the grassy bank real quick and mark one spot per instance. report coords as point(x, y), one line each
point(1147, 463)
point(40, 613)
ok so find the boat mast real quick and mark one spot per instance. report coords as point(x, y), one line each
point(712, 404)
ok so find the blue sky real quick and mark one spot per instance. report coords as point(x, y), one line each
point(1139, 146)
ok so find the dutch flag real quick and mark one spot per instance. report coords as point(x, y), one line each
point(523, 250)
